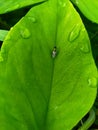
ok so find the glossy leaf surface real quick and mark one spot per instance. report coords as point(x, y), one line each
point(47, 73)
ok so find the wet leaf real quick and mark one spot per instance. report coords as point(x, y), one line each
point(48, 77)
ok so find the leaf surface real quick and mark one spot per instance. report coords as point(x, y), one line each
point(44, 87)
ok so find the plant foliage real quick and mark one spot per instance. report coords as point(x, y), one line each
point(48, 78)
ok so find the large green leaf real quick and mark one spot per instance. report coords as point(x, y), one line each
point(40, 90)
point(89, 8)
point(10, 5)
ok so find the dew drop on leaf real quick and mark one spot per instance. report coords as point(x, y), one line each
point(74, 34)
point(63, 4)
point(84, 47)
point(77, 2)
point(11, 28)
point(25, 33)
point(92, 82)
point(56, 107)
point(33, 19)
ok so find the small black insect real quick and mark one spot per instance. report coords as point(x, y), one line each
point(54, 52)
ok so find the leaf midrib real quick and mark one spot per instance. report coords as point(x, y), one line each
point(53, 66)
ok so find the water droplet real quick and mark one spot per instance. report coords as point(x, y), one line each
point(56, 107)
point(92, 82)
point(25, 33)
point(84, 47)
point(11, 28)
point(74, 34)
point(33, 19)
point(62, 3)
point(77, 2)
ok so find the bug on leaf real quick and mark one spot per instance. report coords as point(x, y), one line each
point(54, 52)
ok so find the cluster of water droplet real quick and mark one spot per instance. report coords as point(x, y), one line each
point(62, 3)
point(25, 33)
point(74, 34)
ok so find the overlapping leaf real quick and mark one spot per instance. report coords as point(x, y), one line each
point(39, 91)
point(89, 8)
point(10, 5)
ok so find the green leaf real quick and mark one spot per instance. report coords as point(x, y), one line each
point(10, 5)
point(3, 34)
point(89, 8)
point(44, 87)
